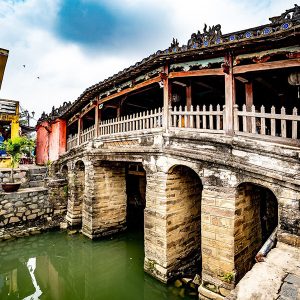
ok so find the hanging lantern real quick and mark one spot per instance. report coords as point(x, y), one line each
point(175, 98)
point(294, 79)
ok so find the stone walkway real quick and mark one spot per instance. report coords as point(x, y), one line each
point(278, 277)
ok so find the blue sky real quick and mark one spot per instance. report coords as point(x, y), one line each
point(69, 45)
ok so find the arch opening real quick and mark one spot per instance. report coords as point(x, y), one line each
point(136, 195)
point(255, 220)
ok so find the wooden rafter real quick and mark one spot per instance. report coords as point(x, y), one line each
point(280, 64)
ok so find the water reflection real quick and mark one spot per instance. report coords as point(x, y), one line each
point(31, 265)
point(57, 266)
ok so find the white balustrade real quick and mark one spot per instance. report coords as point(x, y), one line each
point(198, 118)
point(259, 122)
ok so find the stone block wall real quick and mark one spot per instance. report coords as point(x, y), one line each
point(105, 211)
point(248, 229)
point(28, 175)
point(76, 179)
point(24, 206)
point(58, 195)
point(155, 225)
point(217, 229)
point(289, 208)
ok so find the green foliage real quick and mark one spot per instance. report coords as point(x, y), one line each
point(228, 277)
point(65, 191)
point(17, 147)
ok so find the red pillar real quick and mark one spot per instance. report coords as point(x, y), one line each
point(57, 139)
point(42, 143)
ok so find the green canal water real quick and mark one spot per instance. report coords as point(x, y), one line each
point(59, 266)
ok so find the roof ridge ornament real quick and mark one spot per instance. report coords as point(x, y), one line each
point(289, 14)
point(208, 37)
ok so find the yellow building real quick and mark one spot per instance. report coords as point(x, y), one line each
point(3, 60)
point(9, 110)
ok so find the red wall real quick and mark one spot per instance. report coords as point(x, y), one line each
point(52, 142)
point(57, 139)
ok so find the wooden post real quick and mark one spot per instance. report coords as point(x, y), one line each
point(167, 97)
point(79, 130)
point(229, 97)
point(249, 102)
point(188, 101)
point(96, 119)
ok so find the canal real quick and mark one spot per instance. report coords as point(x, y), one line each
point(60, 266)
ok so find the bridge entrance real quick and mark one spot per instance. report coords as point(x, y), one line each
point(136, 195)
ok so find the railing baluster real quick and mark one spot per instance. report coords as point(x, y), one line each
point(174, 117)
point(147, 119)
point(245, 123)
point(273, 123)
point(197, 117)
point(192, 117)
point(253, 120)
point(283, 123)
point(262, 121)
point(236, 125)
point(185, 119)
point(211, 120)
point(294, 124)
point(180, 117)
point(218, 117)
point(204, 117)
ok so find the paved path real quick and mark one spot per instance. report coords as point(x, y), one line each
point(278, 277)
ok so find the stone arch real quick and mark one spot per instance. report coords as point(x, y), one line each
point(183, 205)
point(76, 186)
point(256, 217)
point(64, 171)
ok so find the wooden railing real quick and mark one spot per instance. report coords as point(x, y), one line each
point(146, 120)
point(254, 123)
point(259, 122)
point(87, 134)
point(72, 141)
point(199, 119)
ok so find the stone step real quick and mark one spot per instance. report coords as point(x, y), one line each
point(38, 170)
point(36, 177)
point(37, 183)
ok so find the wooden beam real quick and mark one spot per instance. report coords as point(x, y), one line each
point(203, 72)
point(136, 105)
point(280, 64)
point(134, 88)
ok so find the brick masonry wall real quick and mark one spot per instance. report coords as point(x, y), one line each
point(155, 228)
point(183, 192)
point(105, 213)
point(248, 230)
point(76, 179)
